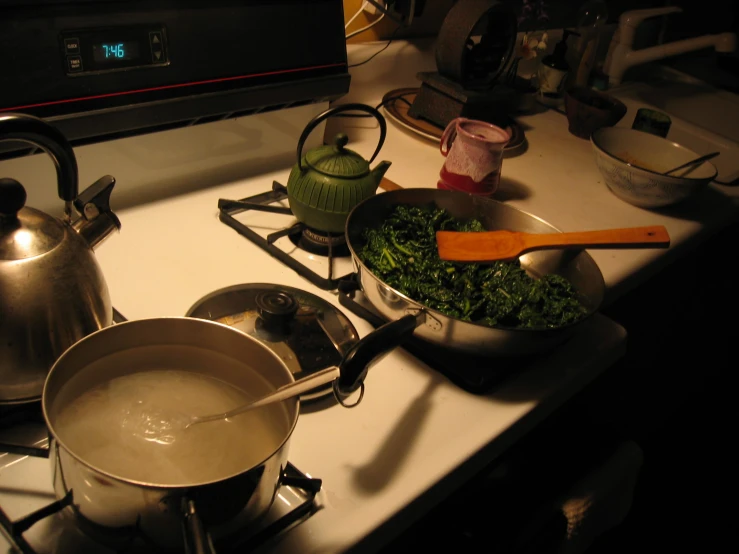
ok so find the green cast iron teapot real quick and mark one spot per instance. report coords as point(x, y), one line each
point(326, 183)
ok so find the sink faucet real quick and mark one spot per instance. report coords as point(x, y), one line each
point(621, 55)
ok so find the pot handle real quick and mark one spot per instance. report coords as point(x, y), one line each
point(337, 109)
point(197, 540)
point(371, 349)
point(35, 131)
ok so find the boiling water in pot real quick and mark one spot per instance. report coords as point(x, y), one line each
point(133, 427)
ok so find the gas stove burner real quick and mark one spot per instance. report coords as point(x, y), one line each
point(320, 243)
point(56, 527)
point(329, 245)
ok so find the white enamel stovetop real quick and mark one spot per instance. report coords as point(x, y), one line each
point(409, 437)
point(413, 431)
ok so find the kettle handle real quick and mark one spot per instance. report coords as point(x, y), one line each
point(342, 108)
point(35, 131)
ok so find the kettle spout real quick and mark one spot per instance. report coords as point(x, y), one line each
point(98, 221)
point(379, 172)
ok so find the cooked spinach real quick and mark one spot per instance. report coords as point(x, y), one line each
point(403, 253)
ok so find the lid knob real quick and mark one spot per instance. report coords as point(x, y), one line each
point(276, 308)
point(340, 141)
point(12, 197)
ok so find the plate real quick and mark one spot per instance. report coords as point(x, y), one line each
point(397, 102)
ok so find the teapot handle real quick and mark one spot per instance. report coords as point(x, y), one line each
point(35, 131)
point(342, 108)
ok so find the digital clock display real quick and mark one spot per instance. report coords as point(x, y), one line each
point(109, 49)
point(115, 51)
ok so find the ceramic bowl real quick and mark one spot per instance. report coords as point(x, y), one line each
point(589, 110)
point(632, 163)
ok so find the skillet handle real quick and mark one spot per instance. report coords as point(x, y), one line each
point(371, 349)
point(197, 540)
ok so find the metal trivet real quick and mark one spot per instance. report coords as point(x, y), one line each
point(318, 243)
point(475, 374)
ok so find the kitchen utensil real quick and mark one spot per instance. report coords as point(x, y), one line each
point(387, 184)
point(328, 181)
point(53, 290)
point(474, 155)
point(456, 334)
point(307, 332)
point(488, 246)
point(588, 110)
point(112, 501)
point(285, 392)
point(632, 164)
point(693, 163)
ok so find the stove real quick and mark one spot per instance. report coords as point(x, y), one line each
point(33, 520)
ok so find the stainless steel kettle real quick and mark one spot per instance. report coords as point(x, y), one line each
point(52, 290)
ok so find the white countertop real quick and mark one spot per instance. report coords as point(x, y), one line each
point(415, 437)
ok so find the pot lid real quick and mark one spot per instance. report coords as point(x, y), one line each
point(337, 161)
point(307, 332)
point(24, 232)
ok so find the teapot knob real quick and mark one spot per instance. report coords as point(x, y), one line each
point(340, 141)
point(12, 197)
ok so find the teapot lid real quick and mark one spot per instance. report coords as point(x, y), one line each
point(24, 232)
point(337, 161)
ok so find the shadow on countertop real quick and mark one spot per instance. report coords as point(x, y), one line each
point(670, 394)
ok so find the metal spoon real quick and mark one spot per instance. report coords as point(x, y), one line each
point(296, 388)
point(696, 161)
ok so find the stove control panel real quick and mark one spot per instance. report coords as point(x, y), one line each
point(105, 50)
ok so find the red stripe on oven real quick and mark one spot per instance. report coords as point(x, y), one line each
point(165, 87)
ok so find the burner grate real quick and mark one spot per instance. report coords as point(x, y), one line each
point(322, 244)
point(244, 541)
point(331, 246)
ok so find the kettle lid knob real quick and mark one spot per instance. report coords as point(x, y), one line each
point(340, 141)
point(12, 197)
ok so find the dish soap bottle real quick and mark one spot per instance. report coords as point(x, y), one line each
point(553, 72)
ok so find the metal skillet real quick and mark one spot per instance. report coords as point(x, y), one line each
point(577, 266)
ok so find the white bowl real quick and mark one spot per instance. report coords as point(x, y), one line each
point(632, 161)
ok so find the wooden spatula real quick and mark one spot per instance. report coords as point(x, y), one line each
point(489, 246)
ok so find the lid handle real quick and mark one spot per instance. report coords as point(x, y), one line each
point(30, 129)
point(333, 111)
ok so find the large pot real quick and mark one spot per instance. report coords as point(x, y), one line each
point(109, 502)
point(578, 267)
